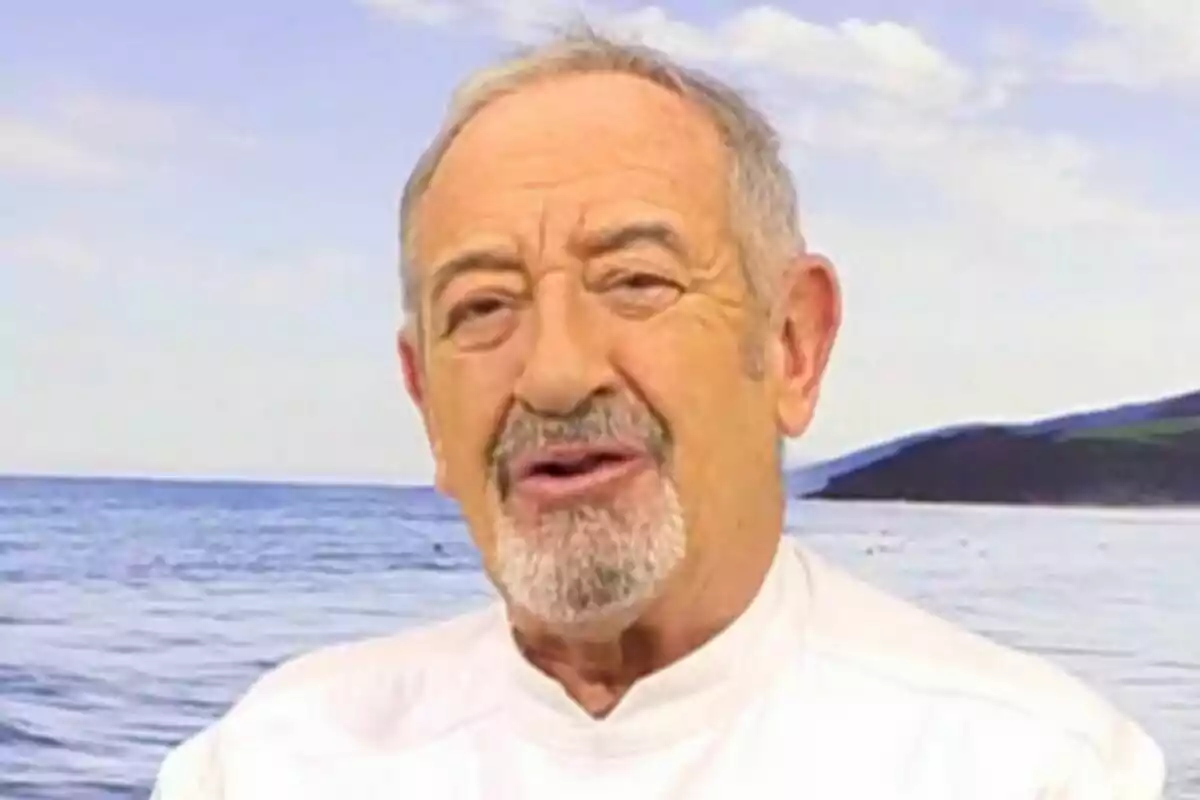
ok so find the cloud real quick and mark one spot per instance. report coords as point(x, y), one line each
point(1032, 254)
point(883, 92)
point(898, 99)
point(299, 283)
point(170, 357)
point(1031, 180)
point(1138, 44)
point(882, 57)
point(924, 116)
point(46, 250)
point(100, 136)
point(425, 12)
point(35, 151)
point(131, 121)
point(992, 269)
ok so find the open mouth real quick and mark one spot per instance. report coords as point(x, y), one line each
point(570, 465)
point(567, 473)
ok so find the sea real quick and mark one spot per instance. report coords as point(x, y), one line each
point(133, 612)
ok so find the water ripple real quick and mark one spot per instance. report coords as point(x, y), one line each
point(134, 613)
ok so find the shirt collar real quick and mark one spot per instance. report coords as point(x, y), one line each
point(713, 679)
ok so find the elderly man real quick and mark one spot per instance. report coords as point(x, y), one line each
point(612, 324)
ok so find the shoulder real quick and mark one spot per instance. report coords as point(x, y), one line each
point(398, 690)
point(368, 668)
point(885, 641)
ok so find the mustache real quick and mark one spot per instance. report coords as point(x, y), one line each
point(596, 421)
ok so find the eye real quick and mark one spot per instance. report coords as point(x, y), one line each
point(483, 310)
point(641, 292)
point(640, 281)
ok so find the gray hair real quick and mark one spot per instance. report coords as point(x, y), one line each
point(763, 195)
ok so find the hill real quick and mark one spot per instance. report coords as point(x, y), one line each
point(1136, 454)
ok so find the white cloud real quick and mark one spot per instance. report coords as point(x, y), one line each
point(32, 150)
point(200, 361)
point(992, 271)
point(654, 27)
point(882, 89)
point(895, 96)
point(899, 101)
point(46, 250)
point(882, 57)
point(133, 121)
point(914, 109)
point(120, 118)
point(1015, 177)
point(526, 21)
point(923, 115)
point(94, 136)
point(953, 319)
point(425, 12)
point(1138, 44)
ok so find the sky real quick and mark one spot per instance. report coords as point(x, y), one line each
point(198, 236)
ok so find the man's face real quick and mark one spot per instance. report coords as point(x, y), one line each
point(583, 367)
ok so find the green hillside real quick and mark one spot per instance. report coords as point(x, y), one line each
point(1167, 432)
point(1139, 454)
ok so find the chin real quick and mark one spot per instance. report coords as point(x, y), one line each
point(590, 571)
point(603, 625)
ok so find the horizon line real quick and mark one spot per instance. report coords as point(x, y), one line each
point(383, 483)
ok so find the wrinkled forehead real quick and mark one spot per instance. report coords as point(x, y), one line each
point(541, 162)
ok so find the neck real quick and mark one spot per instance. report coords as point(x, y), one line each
point(598, 668)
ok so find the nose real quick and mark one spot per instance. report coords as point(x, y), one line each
point(567, 363)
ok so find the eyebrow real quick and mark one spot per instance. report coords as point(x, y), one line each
point(613, 238)
point(477, 259)
point(589, 244)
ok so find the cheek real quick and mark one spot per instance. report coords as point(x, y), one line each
point(469, 396)
point(690, 365)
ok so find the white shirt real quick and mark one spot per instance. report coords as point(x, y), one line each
point(823, 688)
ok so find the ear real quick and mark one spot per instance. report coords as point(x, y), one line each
point(412, 363)
point(808, 320)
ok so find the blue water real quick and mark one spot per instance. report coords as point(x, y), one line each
point(132, 613)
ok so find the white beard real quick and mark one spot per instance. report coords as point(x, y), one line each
point(591, 565)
